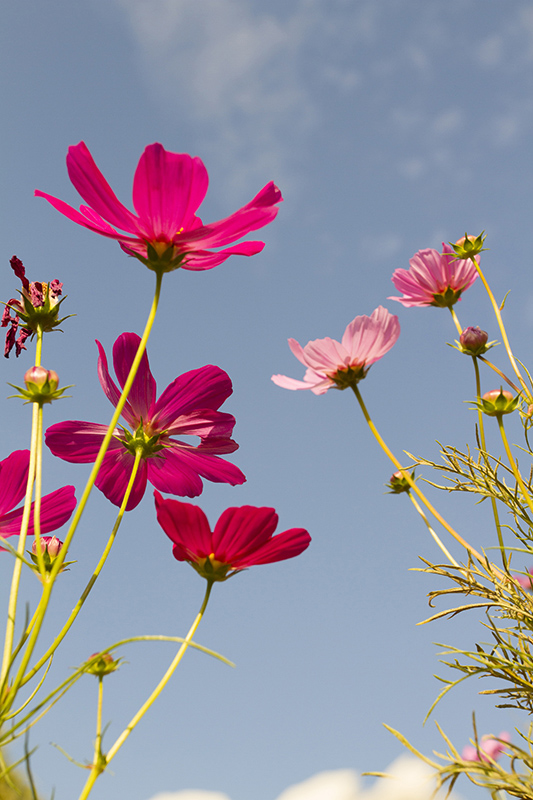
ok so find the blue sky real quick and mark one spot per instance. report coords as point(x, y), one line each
point(389, 127)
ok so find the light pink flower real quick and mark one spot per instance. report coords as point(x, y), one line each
point(525, 581)
point(433, 279)
point(56, 507)
point(187, 407)
point(489, 748)
point(342, 364)
point(168, 188)
point(243, 537)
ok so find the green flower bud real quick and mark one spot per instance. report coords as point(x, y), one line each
point(398, 483)
point(469, 246)
point(498, 402)
point(101, 664)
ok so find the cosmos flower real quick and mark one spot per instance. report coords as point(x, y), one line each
point(433, 279)
point(525, 581)
point(187, 407)
point(165, 233)
point(243, 537)
point(342, 364)
point(489, 748)
point(56, 507)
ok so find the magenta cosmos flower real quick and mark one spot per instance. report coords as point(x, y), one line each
point(187, 407)
point(489, 748)
point(165, 233)
point(342, 364)
point(56, 507)
point(434, 279)
point(243, 537)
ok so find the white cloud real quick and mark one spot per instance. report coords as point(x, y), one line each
point(407, 779)
point(490, 52)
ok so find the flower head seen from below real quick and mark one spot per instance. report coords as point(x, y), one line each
point(38, 307)
point(342, 364)
point(187, 407)
point(489, 748)
point(165, 233)
point(243, 537)
point(56, 507)
point(434, 279)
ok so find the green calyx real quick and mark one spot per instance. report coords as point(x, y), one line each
point(141, 440)
point(213, 570)
point(40, 394)
point(45, 317)
point(496, 403)
point(447, 299)
point(101, 664)
point(349, 377)
point(470, 246)
point(161, 260)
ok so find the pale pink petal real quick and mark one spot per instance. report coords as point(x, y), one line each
point(95, 190)
point(318, 385)
point(367, 339)
point(325, 355)
point(143, 391)
point(13, 479)
point(167, 190)
point(207, 387)
point(185, 525)
point(78, 442)
point(114, 475)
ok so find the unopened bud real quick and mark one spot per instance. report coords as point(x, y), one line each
point(50, 547)
point(44, 380)
point(49, 544)
point(474, 341)
point(398, 483)
point(469, 246)
point(101, 664)
point(498, 402)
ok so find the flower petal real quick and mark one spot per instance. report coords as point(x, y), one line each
point(187, 526)
point(285, 545)
point(171, 473)
point(77, 441)
point(111, 390)
point(209, 466)
point(143, 391)
point(167, 190)
point(199, 260)
point(56, 509)
point(13, 479)
point(203, 423)
point(114, 475)
point(240, 531)
point(207, 387)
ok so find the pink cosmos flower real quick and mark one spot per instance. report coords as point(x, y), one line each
point(434, 279)
point(489, 748)
point(168, 188)
point(525, 581)
point(187, 407)
point(56, 507)
point(243, 537)
point(342, 364)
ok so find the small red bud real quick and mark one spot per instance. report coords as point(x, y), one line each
point(49, 544)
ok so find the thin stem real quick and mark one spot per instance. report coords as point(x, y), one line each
point(412, 483)
point(95, 772)
point(503, 332)
point(499, 372)
point(456, 320)
point(512, 462)
point(481, 427)
point(75, 611)
point(38, 494)
point(99, 759)
point(432, 532)
point(58, 563)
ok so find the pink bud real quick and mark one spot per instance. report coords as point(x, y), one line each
point(49, 544)
point(41, 378)
point(473, 340)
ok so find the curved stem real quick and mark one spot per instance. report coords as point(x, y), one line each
point(512, 462)
point(456, 320)
point(481, 427)
point(499, 372)
point(432, 532)
point(96, 771)
point(412, 483)
point(58, 563)
point(77, 608)
point(503, 332)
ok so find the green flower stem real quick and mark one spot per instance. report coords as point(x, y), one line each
point(17, 569)
point(503, 332)
point(512, 462)
point(456, 320)
point(98, 755)
point(412, 483)
point(39, 493)
point(432, 532)
point(77, 608)
point(105, 759)
point(58, 563)
point(500, 373)
point(481, 427)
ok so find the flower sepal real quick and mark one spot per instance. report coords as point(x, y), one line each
point(469, 246)
point(101, 664)
point(41, 386)
point(160, 257)
point(213, 570)
point(398, 484)
point(498, 402)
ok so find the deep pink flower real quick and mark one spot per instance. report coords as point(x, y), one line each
point(342, 364)
point(433, 278)
point(56, 507)
point(187, 407)
point(168, 188)
point(243, 537)
point(489, 748)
